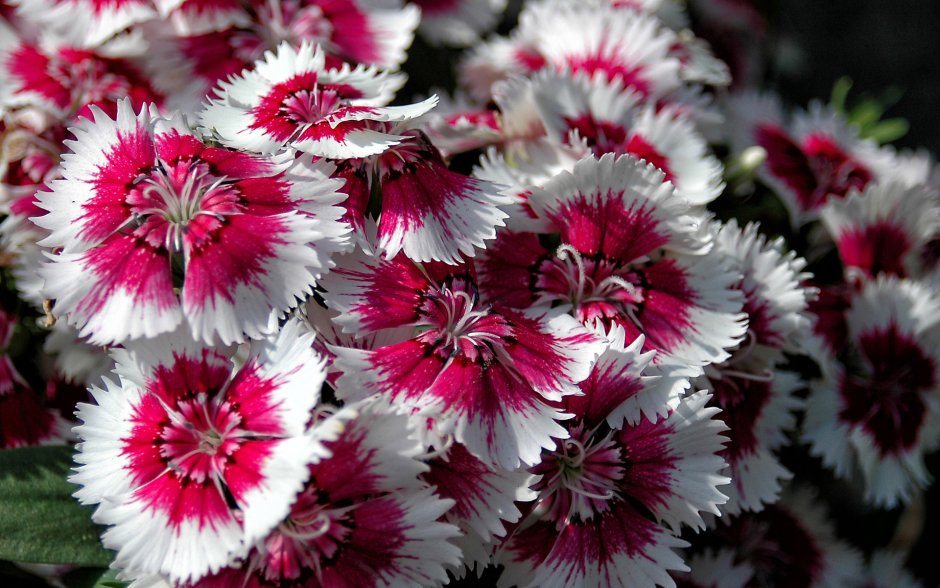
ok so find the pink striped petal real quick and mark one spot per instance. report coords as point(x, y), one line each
point(364, 517)
point(618, 548)
point(87, 23)
point(430, 212)
point(200, 460)
point(884, 229)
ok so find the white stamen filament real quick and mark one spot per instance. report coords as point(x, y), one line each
point(461, 327)
point(437, 452)
point(584, 289)
point(573, 477)
point(321, 520)
point(179, 205)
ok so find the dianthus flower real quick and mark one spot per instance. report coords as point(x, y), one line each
point(293, 99)
point(189, 463)
point(884, 229)
point(486, 374)
point(590, 526)
point(365, 518)
point(618, 247)
point(875, 407)
point(145, 209)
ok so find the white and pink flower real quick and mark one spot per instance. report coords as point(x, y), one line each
point(811, 157)
point(485, 500)
point(884, 229)
point(488, 376)
point(86, 23)
point(609, 118)
point(364, 518)
point(65, 80)
point(293, 100)
point(628, 252)
point(875, 410)
point(794, 542)
point(145, 208)
point(589, 526)
point(189, 463)
point(426, 210)
point(593, 38)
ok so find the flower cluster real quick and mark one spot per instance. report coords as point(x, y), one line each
point(310, 348)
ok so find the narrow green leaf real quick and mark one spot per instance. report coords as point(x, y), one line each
point(93, 578)
point(840, 92)
point(866, 113)
point(40, 522)
point(889, 130)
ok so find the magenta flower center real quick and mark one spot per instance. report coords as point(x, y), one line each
point(200, 437)
point(458, 323)
point(590, 285)
point(313, 534)
point(309, 106)
point(166, 200)
point(885, 390)
point(581, 477)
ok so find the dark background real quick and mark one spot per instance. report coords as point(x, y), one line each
point(878, 43)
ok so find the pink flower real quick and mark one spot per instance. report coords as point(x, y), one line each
point(593, 38)
point(86, 23)
point(485, 499)
point(67, 80)
point(145, 207)
point(875, 408)
point(631, 253)
point(794, 542)
point(292, 99)
point(885, 229)
point(587, 529)
point(365, 518)
point(221, 38)
point(190, 463)
point(486, 375)
point(811, 158)
point(610, 118)
point(757, 399)
point(427, 211)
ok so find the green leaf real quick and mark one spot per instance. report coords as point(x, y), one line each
point(40, 522)
point(840, 92)
point(92, 578)
point(866, 113)
point(889, 130)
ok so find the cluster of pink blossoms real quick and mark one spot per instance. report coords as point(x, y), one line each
point(317, 353)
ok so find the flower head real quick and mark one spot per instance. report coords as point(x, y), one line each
point(364, 518)
point(485, 374)
point(146, 209)
point(184, 457)
point(631, 253)
point(292, 99)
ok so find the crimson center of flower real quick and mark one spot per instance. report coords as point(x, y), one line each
point(580, 478)
point(836, 172)
point(87, 77)
point(199, 438)
point(314, 532)
point(169, 198)
point(595, 288)
point(309, 106)
point(460, 325)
